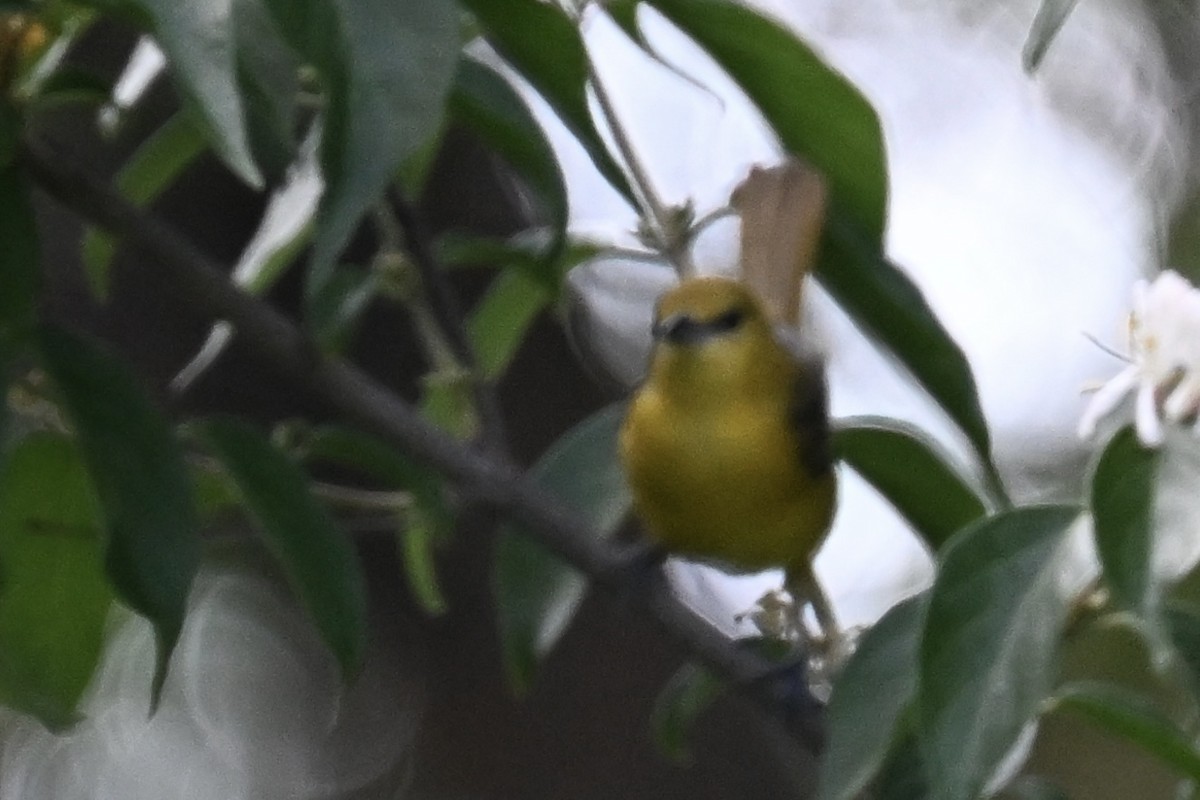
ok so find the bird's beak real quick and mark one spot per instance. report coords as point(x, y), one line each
point(666, 328)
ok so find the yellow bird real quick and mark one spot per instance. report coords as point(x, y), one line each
point(726, 443)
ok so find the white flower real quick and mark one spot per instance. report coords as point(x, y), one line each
point(1164, 368)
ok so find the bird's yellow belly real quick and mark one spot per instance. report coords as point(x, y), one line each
point(729, 487)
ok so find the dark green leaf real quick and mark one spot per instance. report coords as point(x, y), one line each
point(1122, 501)
point(320, 563)
point(335, 312)
point(891, 309)
point(54, 595)
point(990, 650)
point(487, 104)
point(1183, 623)
point(903, 774)
point(138, 468)
point(1130, 715)
point(198, 39)
point(1049, 21)
point(20, 268)
point(268, 76)
point(1032, 787)
point(624, 13)
point(541, 42)
point(537, 594)
point(686, 696)
point(498, 324)
point(394, 470)
point(153, 167)
point(872, 695)
point(816, 112)
point(387, 82)
point(910, 469)
point(11, 122)
point(524, 252)
point(424, 524)
point(69, 84)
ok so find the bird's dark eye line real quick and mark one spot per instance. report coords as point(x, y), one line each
point(684, 329)
point(729, 320)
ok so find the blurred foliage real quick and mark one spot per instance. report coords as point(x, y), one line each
point(328, 107)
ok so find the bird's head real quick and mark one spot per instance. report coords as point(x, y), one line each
point(709, 332)
point(707, 311)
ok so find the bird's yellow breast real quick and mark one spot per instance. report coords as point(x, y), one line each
point(725, 481)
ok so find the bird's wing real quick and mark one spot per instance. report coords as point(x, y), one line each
point(809, 415)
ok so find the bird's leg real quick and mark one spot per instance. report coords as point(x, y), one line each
point(806, 590)
point(831, 646)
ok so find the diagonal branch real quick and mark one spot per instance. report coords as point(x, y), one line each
point(189, 274)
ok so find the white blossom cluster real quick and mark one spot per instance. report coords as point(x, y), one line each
point(1164, 361)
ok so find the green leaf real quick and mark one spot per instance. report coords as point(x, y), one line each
point(20, 267)
point(418, 541)
point(11, 124)
point(198, 39)
point(536, 593)
point(912, 471)
point(1133, 717)
point(870, 700)
point(319, 561)
point(1032, 787)
point(1122, 502)
point(625, 14)
point(335, 312)
point(889, 307)
point(816, 112)
point(69, 84)
point(498, 324)
point(54, 595)
point(990, 650)
point(488, 105)
point(1183, 624)
point(542, 43)
point(268, 76)
point(691, 690)
point(421, 527)
point(903, 774)
point(353, 449)
point(387, 68)
point(152, 168)
point(1050, 17)
point(153, 549)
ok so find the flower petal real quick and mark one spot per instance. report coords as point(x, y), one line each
point(1107, 398)
point(1149, 426)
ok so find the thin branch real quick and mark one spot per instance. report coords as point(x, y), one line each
point(665, 227)
point(447, 312)
point(357, 499)
point(183, 270)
